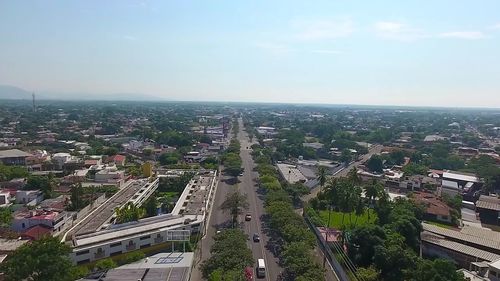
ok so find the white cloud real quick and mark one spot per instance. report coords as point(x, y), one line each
point(330, 52)
point(130, 37)
point(468, 35)
point(323, 29)
point(397, 31)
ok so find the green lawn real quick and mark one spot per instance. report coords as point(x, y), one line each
point(336, 218)
point(440, 224)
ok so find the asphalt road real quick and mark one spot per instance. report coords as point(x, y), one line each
point(248, 186)
point(219, 220)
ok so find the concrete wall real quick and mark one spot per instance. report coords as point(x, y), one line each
point(119, 246)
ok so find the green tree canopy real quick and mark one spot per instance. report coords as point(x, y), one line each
point(43, 260)
point(235, 203)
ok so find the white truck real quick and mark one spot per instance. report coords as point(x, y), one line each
point(261, 268)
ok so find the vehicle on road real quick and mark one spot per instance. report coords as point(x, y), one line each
point(248, 217)
point(256, 237)
point(241, 174)
point(261, 268)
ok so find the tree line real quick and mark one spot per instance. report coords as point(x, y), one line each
point(387, 249)
point(293, 239)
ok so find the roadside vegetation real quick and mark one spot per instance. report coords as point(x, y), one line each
point(229, 257)
point(293, 240)
point(380, 238)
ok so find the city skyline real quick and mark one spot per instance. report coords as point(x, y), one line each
point(333, 52)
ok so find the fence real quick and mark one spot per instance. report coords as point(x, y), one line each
point(339, 270)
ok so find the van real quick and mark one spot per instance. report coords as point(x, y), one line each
point(261, 268)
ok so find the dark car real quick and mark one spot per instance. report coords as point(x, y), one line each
point(256, 237)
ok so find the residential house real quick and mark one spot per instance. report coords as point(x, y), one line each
point(119, 160)
point(29, 197)
point(435, 208)
point(488, 208)
point(14, 157)
point(57, 221)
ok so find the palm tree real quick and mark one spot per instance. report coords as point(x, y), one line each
point(235, 202)
point(321, 176)
point(353, 176)
point(345, 195)
point(373, 191)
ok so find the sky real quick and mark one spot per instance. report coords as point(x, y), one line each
point(412, 52)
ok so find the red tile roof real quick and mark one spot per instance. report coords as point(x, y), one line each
point(433, 205)
point(118, 158)
point(36, 232)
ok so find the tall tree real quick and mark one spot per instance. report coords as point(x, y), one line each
point(436, 270)
point(5, 217)
point(235, 203)
point(43, 260)
point(375, 164)
point(77, 202)
point(229, 254)
point(128, 213)
point(372, 192)
point(321, 175)
point(151, 206)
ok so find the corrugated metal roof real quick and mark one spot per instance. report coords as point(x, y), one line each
point(449, 184)
point(458, 247)
point(488, 205)
point(478, 240)
point(13, 153)
point(481, 232)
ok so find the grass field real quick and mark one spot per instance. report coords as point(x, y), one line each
point(440, 224)
point(336, 219)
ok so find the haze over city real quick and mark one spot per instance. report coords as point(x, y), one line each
point(416, 53)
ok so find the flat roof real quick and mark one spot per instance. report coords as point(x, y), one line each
point(193, 198)
point(290, 173)
point(159, 267)
point(144, 227)
point(459, 176)
point(106, 210)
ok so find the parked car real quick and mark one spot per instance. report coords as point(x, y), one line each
point(256, 237)
point(248, 217)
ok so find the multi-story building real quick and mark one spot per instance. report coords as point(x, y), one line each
point(100, 239)
point(14, 157)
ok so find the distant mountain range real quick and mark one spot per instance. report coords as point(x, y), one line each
point(8, 92)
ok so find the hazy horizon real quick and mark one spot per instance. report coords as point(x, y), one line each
point(392, 53)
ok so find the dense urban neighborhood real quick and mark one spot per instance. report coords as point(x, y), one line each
point(188, 191)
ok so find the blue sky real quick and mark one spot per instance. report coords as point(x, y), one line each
point(441, 53)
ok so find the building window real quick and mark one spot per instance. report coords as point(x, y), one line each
point(115, 244)
point(145, 237)
point(83, 261)
point(115, 253)
point(82, 252)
